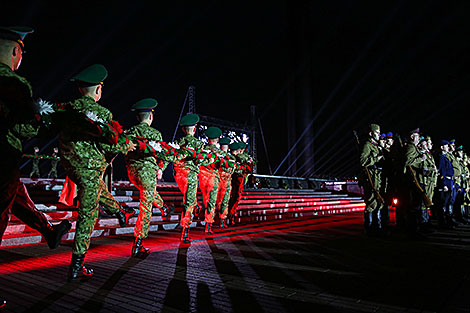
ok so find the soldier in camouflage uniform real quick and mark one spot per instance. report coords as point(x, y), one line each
point(370, 159)
point(186, 172)
point(427, 177)
point(414, 162)
point(225, 186)
point(462, 184)
point(35, 167)
point(143, 171)
point(457, 194)
point(209, 178)
point(19, 120)
point(83, 157)
point(54, 162)
point(239, 177)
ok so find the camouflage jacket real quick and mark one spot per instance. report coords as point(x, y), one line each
point(193, 143)
point(17, 112)
point(243, 159)
point(457, 168)
point(228, 169)
point(138, 158)
point(213, 167)
point(80, 149)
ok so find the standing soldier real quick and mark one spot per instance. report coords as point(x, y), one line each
point(18, 120)
point(430, 174)
point(186, 172)
point(209, 178)
point(445, 186)
point(54, 162)
point(83, 157)
point(414, 164)
point(369, 160)
point(462, 184)
point(457, 193)
point(225, 187)
point(143, 171)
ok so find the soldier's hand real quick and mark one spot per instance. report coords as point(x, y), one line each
point(132, 146)
point(159, 173)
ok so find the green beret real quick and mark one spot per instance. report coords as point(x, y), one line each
point(224, 141)
point(234, 146)
point(189, 120)
point(213, 132)
point(92, 75)
point(15, 33)
point(242, 145)
point(145, 105)
point(374, 127)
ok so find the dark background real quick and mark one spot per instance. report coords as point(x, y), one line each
point(335, 66)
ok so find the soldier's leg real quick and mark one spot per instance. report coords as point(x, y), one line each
point(205, 184)
point(224, 205)
point(9, 181)
point(147, 192)
point(190, 199)
point(89, 189)
point(210, 211)
point(25, 210)
point(107, 200)
point(236, 193)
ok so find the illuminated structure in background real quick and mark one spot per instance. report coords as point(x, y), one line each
point(236, 131)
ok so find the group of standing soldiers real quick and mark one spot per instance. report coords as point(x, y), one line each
point(89, 139)
point(415, 178)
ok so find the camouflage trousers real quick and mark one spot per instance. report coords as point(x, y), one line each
point(237, 182)
point(209, 184)
point(53, 172)
point(35, 169)
point(90, 187)
point(145, 179)
point(187, 183)
point(14, 199)
point(107, 200)
point(223, 194)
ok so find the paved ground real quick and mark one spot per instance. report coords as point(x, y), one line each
point(322, 264)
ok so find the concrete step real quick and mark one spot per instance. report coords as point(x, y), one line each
point(256, 205)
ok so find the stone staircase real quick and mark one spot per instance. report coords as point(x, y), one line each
point(257, 205)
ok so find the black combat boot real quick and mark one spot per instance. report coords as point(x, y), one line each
point(53, 233)
point(77, 269)
point(123, 216)
point(166, 211)
point(222, 223)
point(185, 235)
point(138, 249)
point(208, 229)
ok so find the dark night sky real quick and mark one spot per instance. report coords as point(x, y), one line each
point(402, 64)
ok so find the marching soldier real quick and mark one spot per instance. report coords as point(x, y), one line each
point(457, 193)
point(19, 119)
point(83, 157)
point(186, 172)
point(238, 150)
point(209, 178)
point(54, 162)
point(143, 171)
point(370, 159)
point(225, 187)
point(35, 161)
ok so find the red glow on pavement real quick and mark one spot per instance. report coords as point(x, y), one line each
point(169, 240)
